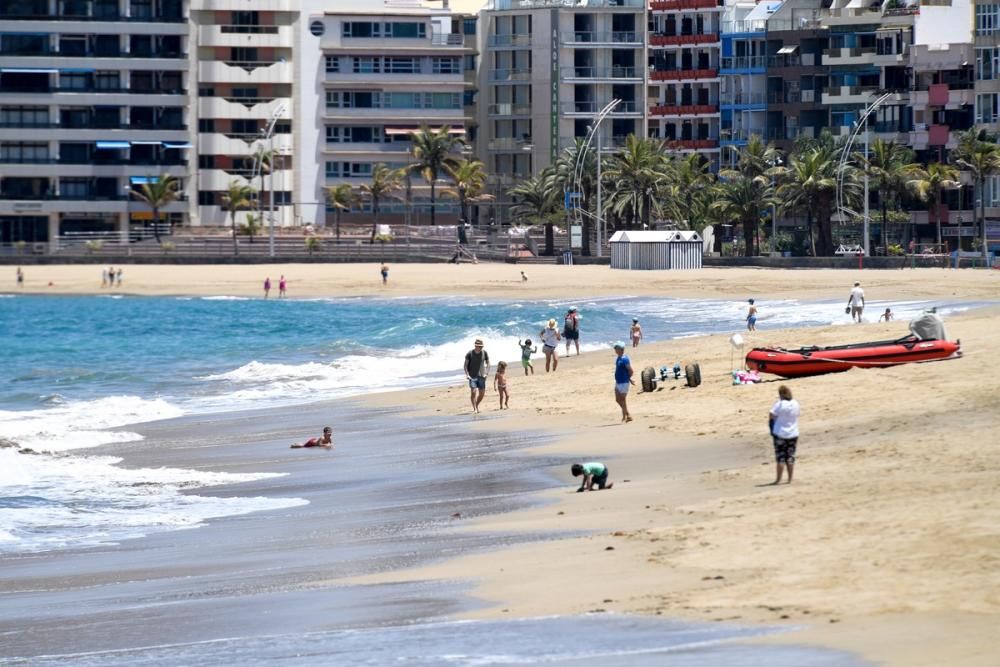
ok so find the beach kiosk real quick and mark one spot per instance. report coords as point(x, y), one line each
point(656, 251)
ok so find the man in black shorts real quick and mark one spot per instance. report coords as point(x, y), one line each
point(571, 329)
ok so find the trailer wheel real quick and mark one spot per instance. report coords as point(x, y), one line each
point(648, 379)
point(693, 373)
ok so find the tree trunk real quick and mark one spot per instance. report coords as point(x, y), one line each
point(337, 222)
point(375, 221)
point(236, 241)
point(550, 239)
point(433, 199)
point(885, 228)
point(156, 225)
point(809, 226)
point(748, 231)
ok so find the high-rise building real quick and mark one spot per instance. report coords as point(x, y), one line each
point(93, 102)
point(371, 75)
point(547, 71)
point(743, 70)
point(243, 54)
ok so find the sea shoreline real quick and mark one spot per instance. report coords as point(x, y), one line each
point(886, 537)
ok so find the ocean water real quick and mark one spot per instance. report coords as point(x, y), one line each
point(76, 372)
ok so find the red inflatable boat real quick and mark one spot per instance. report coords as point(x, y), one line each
point(819, 360)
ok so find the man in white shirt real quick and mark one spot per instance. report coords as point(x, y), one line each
point(784, 421)
point(856, 302)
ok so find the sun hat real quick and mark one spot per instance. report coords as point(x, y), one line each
point(479, 341)
point(572, 309)
point(619, 345)
point(552, 323)
point(635, 319)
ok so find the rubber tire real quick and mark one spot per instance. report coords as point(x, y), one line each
point(648, 376)
point(693, 374)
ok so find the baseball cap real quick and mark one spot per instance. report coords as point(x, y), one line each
point(620, 345)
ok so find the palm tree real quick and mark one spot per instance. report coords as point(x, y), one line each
point(809, 185)
point(928, 184)
point(687, 191)
point(890, 166)
point(252, 225)
point(470, 180)
point(635, 175)
point(752, 180)
point(341, 197)
point(384, 183)
point(264, 157)
point(537, 201)
point(157, 194)
point(433, 151)
point(238, 196)
point(981, 159)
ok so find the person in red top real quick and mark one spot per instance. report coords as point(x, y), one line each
point(282, 286)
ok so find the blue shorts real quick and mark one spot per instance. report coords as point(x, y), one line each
point(477, 383)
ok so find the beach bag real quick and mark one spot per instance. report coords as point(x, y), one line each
point(847, 310)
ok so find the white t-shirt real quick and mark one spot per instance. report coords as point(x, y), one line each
point(550, 337)
point(857, 297)
point(786, 419)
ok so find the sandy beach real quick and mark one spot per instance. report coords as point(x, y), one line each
point(885, 544)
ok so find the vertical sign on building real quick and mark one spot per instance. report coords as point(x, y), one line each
point(554, 87)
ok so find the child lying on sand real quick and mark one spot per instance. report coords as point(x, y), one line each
point(326, 440)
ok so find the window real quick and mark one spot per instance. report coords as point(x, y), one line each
point(24, 44)
point(206, 92)
point(206, 125)
point(24, 152)
point(245, 18)
point(446, 65)
point(332, 64)
point(206, 198)
point(73, 45)
point(206, 162)
point(469, 98)
point(348, 135)
point(74, 188)
point(347, 99)
point(405, 30)
point(399, 29)
point(988, 63)
point(243, 54)
point(250, 93)
point(469, 26)
point(400, 65)
point(470, 63)
point(444, 100)
point(367, 65)
point(74, 81)
point(141, 9)
point(283, 197)
point(987, 19)
point(348, 169)
point(245, 126)
point(107, 81)
point(24, 116)
point(988, 108)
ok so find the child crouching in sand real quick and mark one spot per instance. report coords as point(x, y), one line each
point(325, 440)
point(500, 385)
point(593, 473)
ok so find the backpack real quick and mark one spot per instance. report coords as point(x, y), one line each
point(570, 322)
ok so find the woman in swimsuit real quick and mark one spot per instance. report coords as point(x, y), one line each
point(635, 333)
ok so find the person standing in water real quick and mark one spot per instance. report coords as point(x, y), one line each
point(635, 332)
point(571, 329)
point(751, 316)
point(856, 302)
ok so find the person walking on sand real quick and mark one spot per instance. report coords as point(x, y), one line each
point(500, 385)
point(751, 316)
point(325, 440)
point(526, 351)
point(477, 369)
point(571, 329)
point(594, 472)
point(887, 316)
point(111, 276)
point(784, 422)
point(550, 341)
point(20, 277)
point(104, 277)
point(856, 302)
point(524, 278)
point(385, 274)
point(118, 276)
point(267, 287)
point(282, 288)
point(623, 380)
point(635, 332)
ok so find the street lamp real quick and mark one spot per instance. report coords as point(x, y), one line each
point(267, 134)
point(776, 162)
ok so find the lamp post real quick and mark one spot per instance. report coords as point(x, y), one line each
point(267, 134)
point(774, 206)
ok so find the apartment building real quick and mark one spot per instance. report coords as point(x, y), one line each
point(683, 77)
point(242, 61)
point(93, 102)
point(548, 69)
point(743, 71)
point(372, 75)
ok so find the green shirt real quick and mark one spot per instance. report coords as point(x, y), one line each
point(594, 468)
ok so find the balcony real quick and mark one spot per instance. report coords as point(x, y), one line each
point(742, 100)
point(683, 74)
point(514, 75)
point(93, 53)
point(849, 94)
point(510, 40)
point(249, 72)
point(110, 17)
point(245, 35)
point(509, 109)
point(938, 135)
point(618, 38)
point(683, 109)
point(681, 5)
point(683, 40)
point(692, 144)
point(570, 73)
point(937, 94)
point(590, 108)
point(744, 64)
point(855, 56)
